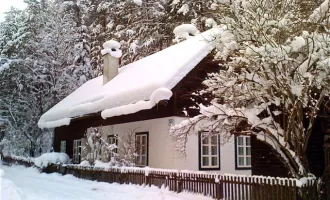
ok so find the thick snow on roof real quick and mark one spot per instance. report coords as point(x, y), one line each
point(138, 86)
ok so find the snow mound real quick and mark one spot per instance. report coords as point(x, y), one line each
point(9, 190)
point(210, 23)
point(138, 2)
point(185, 31)
point(111, 44)
point(101, 164)
point(113, 48)
point(297, 43)
point(85, 163)
point(45, 159)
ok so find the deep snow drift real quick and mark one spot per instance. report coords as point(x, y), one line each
point(8, 190)
point(37, 186)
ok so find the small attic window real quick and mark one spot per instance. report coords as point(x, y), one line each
point(113, 49)
point(190, 34)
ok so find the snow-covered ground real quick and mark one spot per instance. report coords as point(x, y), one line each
point(35, 186)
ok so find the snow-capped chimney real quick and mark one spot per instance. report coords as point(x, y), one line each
point(111, 54)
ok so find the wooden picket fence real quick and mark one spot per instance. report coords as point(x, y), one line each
point(217, 186)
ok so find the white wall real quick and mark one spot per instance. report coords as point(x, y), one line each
point(162, 153)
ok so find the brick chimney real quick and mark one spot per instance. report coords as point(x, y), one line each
point(111, 55)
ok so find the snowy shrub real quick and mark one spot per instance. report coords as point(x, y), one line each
point(45, 159)
point(97, 148)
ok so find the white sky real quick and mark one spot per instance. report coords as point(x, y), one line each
point(6, 4)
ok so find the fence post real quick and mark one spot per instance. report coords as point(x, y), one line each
point(219, 187)
point(63, 169)
point(148, 182)
point(179, 184)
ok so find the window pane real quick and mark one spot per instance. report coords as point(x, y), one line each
point(137, 160)
point(214, 161)
point(214, 140)
point(144, 139)
point(204, 139)
point(205, 161)
point(248, 151)
point(248, 161)
point(214, 150)
point(240, 140)
point(248, 141)
point(241, 161)
point(205, 150)
point(143, 160)
point(143, 150)
point(63, 146)
point(240, 150)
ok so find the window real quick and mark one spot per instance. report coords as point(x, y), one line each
point(113, 139)
point(243, 152)
point(63, 147)
point(76, 151)
point(141, 142)
point(209, 151)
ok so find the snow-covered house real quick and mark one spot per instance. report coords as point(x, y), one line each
point(146, 98)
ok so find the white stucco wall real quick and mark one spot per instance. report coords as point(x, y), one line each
point(162, 153)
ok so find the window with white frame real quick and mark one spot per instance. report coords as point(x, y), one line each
point(209, 151)
point(243, 152)
point(141, 142)
point(63, 147)
point(113, 139)
point(76, 151)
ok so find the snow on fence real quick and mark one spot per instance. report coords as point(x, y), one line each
point(218, 186)
point(17, 160)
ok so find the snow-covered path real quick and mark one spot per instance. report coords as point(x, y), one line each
point(36, 186)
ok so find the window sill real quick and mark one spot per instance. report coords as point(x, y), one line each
point(243, 168)
point(209, 169)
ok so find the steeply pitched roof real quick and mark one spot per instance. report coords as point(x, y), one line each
point(138, 86)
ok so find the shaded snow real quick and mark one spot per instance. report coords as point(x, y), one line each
point(320, 12)
point(37, 186)
point(135, 82)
